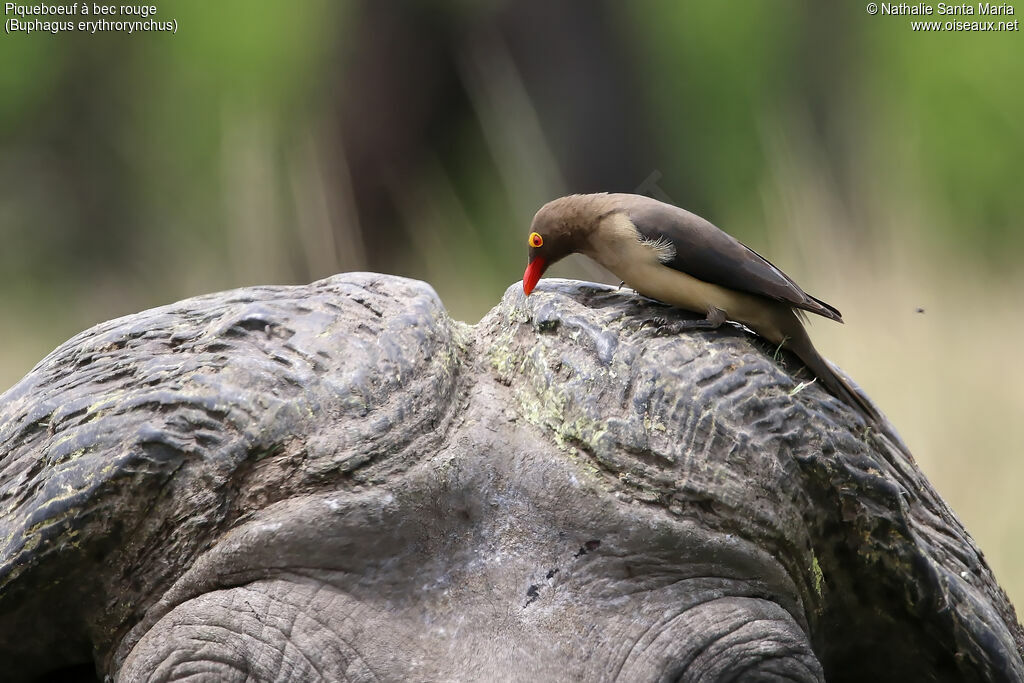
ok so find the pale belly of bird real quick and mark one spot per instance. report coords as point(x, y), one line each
point(687, 292)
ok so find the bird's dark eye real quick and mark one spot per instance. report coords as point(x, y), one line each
point(536, 240)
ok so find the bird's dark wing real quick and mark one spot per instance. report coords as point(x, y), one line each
point(708, 254)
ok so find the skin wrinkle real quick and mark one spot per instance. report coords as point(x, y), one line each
point(265, 626)
point(792, 657)
point(661, 626)
point(634, 562)
point(299, 613)
point(769, 635)
point(762, 664)
point(232, 643)
point(730, 628)
point(236, 634)
point(663, 629)
point(195, 669)
point(179, 657)
point(728, 583)
point(727, 649)
point(348, 616)
point(799, 616)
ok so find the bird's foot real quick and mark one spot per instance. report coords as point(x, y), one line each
point(669, 328)
point(665, 328)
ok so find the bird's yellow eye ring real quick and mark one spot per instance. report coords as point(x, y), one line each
point(536, 240)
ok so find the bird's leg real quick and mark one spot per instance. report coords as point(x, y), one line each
point(713, 321)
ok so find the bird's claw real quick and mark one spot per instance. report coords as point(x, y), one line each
point(663, 327)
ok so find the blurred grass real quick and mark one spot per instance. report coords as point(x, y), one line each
point(881, 169)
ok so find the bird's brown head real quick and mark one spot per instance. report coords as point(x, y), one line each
point(560, 228)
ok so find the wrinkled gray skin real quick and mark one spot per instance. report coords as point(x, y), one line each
point(337, 482)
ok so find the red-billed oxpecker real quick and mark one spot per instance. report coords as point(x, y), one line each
point(669, 254)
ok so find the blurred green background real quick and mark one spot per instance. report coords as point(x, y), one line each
point(282, 142)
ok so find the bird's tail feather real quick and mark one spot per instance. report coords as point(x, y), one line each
point(841, 388)
point(836, 384)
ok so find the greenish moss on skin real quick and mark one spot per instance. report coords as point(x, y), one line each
point(539, 403)
point(455, 353)
point(462, 335)
point(547, 405)
point(819, 578)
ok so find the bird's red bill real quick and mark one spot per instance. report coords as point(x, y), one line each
point(532, 274)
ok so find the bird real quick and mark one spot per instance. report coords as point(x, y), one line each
point(669, 254)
